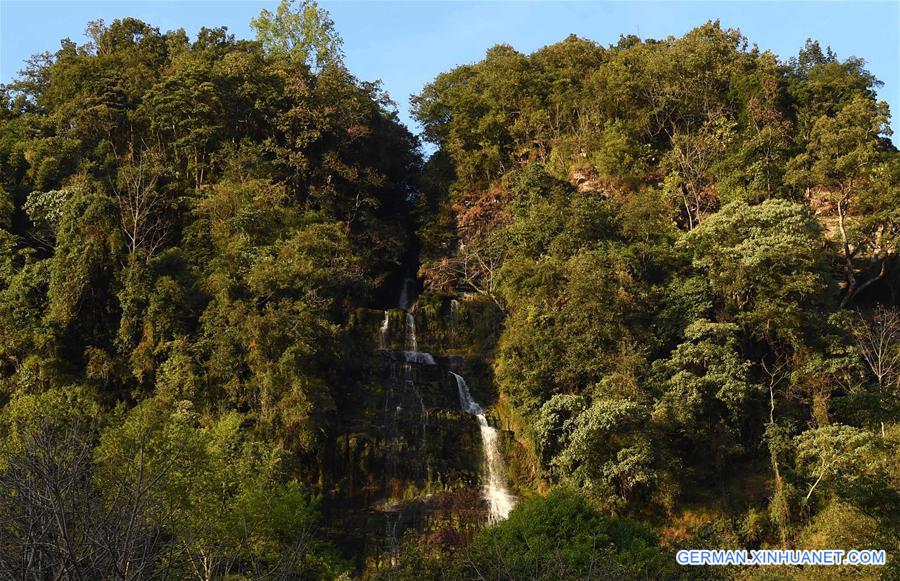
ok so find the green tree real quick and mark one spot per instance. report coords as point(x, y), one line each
point(840, 156)
point(220, 494)
point(765, 266)
point(600, 447)
point(300, 32)
point(562, 536)
point(706, 391)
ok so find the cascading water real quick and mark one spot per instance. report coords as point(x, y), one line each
point(411, 343)
point(406, 427)
point(403, 394)
point(500, 501)
point(404, 301)
point(412, 355)
point(391, 522)
point(392, 410)
point(419, 357)
point(382, 337)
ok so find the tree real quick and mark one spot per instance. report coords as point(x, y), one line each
point(831, 453)
point(600, 447)
point(23, 308)
point(144, 210)
point(878, 341)
point(777, 440)
point(45, 211)
point(83, 266)
point(300, 32)
point(706, 389)
point(839, 160)
point(217, 493)
point(822, 84)
point(50, 522)
point(756, 167)
point(561, 536)
point(185, 114)
point(690, 162)
point(764, 264)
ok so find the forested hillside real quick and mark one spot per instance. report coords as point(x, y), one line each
point(647, 293)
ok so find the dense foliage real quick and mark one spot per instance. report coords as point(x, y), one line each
point(187, 226)
point(560, 536)
point(675, 261)
point(694, 247)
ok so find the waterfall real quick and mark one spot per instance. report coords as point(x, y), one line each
point(391, 522)
point(410, 384)
point(411, 343)
point(404, 301)
point(405, 442)
point(500, 501)
point(414, 356)
point(382, 338)
point(419, 357)
point(411, 353)
point(392, 409)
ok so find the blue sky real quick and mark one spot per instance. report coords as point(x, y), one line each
point(406, 44)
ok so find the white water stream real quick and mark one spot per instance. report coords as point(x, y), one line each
point(411, 343)
point(382, 337)
point(496, 493)
point(500, 501)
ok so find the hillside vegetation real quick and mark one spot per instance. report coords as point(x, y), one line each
point(668, 267)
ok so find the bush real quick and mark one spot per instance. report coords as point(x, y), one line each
point(561, 536)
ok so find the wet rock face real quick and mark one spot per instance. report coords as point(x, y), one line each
point(406, 456)
point(403, 451)
point(406, 429)
point(429, 443)
point(466, 326)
